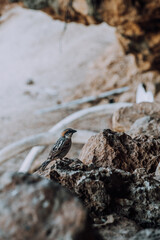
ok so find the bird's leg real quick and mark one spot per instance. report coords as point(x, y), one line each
point(44, 164)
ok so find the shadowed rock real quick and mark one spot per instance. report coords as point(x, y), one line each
point(32, 207)
point(117, 228)
point(147, 234)
point(106, 191)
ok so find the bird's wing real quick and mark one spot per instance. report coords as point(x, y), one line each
point(57, 148)
point(61, 146)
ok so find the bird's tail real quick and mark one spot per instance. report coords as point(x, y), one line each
point(44, 164)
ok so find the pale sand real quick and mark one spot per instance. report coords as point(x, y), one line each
point(34, 46)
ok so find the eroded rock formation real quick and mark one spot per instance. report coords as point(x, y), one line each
point(137, 22)
point(119, 203)
point(119, 150)
point(106, 191)
point(36, 208)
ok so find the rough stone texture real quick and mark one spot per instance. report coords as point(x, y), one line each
point(119, 150)
point(137, 22)
point(113, 69)
point(105, 191)
point(149, 126)
point(138, 28)
point(32, 207)
point(117, 228)
point(125, 117)
point(68, 10)
point(147, 234)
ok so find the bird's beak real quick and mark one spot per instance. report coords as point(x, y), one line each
point(74, 131)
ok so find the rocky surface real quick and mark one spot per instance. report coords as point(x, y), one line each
point(36, 208)
point(147, 234)
point(149, 126)
point(124, 118)
point(138, 29)
point(117, 228)
point(120, 203)
point(137, 23)
point(68, 10)
point(119, 150)
point(105, 191)
point(113, 69)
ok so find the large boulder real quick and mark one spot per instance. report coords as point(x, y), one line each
point(32, 207)
point(119, 150)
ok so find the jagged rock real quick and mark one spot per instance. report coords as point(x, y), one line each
point(106, 191)
point(125, 117)
point(119, 150)
point(147, 234)
point(32, 207)
point(137, 22)
point(149, 126)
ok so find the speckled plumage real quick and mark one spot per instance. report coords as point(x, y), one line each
point(60, 148)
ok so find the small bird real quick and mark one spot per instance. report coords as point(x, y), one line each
point(60, 148)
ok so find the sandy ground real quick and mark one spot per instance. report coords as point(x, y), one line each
point(35, 47)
